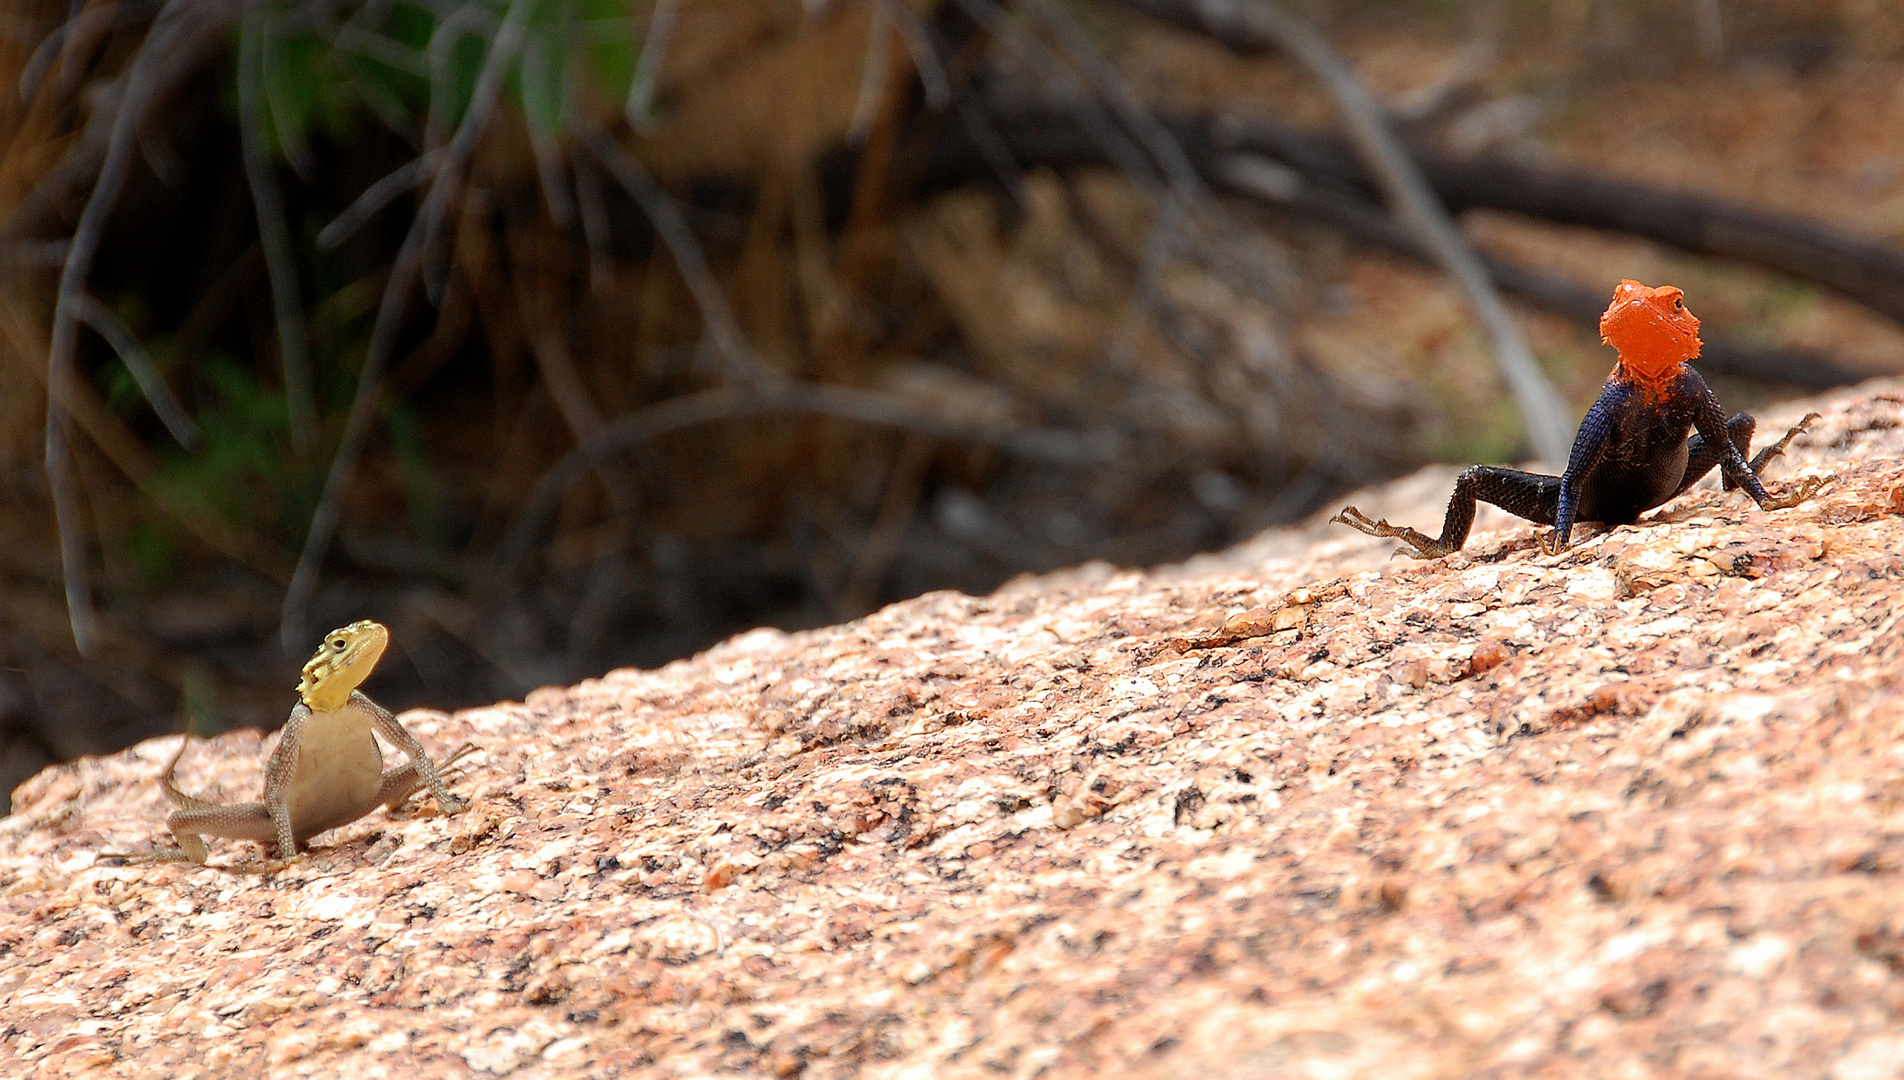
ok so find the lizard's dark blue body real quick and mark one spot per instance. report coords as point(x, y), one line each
point(1631, 453)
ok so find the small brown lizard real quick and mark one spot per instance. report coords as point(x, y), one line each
point(327, 770)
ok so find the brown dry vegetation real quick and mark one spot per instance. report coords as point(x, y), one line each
point(1207, 371)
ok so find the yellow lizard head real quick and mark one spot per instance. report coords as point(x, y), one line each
point(343, 661)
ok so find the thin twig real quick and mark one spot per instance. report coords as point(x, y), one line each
point(353, 37)
point(274, 236)
point(144, 371)
point(1111, 87)
point(742, 362)
point(984, 134)
point(639, 108)
point(511, 37)
point(1238, 258)
point(1415, 204)
point(87, 28)
point(37, 65)
point(925, 55)
point(1125, 154)
point(872, 76)
point(28, 341)
point(896, 506)
point(551, 354)
point(593, 211)
point(842, 402)
point(1154, 153)
point(355, 34)
point(127, 453)
point(317, 541)
point(442, 43)
point(297, 152)
point(377, 196)
point(548, 159)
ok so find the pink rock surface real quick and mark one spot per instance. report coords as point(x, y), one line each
point(1297, 810)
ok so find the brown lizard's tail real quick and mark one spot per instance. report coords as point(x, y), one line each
point(179, 798)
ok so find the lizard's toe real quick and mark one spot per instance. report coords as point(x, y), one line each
point(1357, 520)
point(1801, 491)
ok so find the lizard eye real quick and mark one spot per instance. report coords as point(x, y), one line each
point(1679, 304)
point(339, 644)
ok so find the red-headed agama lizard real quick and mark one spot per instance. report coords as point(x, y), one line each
point(1631, 453)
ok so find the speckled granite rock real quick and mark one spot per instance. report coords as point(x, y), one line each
point(1294, 811)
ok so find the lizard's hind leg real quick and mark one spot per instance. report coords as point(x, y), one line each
point(1803, 489)
point(1700, 459)
point(1533, 496)
point(1759, 460)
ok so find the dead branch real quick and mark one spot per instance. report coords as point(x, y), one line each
point(1868, 272)
point(1367, 222)
point(550, 172)
point(743, 364)
point(639, 108)
point(144, 371)
point(925, 54)
point(1156, 139)
point(1319, 176)
point(841, 402)
point(1407, 193)
point(872, 76)
point(377, 196)
point(592, 209)
point(1123, 150)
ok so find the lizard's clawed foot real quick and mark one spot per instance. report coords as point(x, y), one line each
point(455, 804)
point(1763, 457)
point(1802, 490)
point(1549, 543)
point(1426, 547)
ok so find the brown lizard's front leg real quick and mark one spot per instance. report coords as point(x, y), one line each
point(279, 774)
point(398, 736)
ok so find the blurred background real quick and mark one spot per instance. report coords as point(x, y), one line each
point(561, 335)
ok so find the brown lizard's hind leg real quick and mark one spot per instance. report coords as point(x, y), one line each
point(195, 818)
point(238, 821)
point(1533, 496)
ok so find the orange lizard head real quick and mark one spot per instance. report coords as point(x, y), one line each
point(1651, 329)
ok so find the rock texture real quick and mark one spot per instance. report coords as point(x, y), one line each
point(1295, 811)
